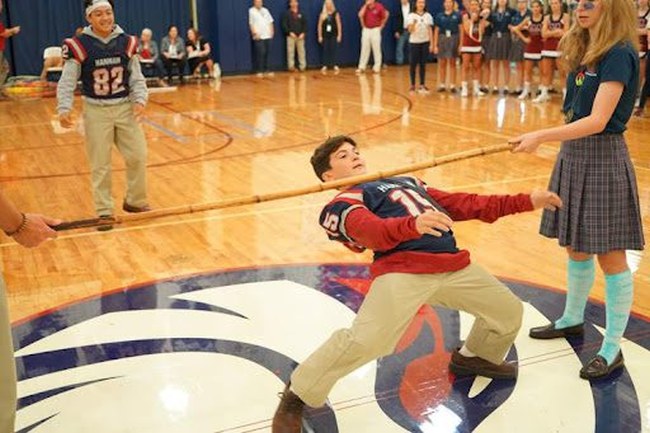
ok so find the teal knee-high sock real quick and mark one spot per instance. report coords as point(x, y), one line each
point(618, 303)
point(580, 278)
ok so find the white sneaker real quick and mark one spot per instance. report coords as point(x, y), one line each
point(323, 70)
point(464, 93)
point(270, 74)
point(523, 96)
point(478, 92)
point(423, 90)
point(359, 71)
point(541, 98)
point(336, 69)
point(259, 75)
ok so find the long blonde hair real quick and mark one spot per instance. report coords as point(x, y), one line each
point(324, 12)
point(617, 24)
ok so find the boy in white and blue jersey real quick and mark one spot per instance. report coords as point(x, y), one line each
point(104, 58)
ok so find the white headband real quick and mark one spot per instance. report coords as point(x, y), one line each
point(96, 5)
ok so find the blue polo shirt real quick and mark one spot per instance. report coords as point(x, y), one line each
point(517, 17)
point(500, 21)
point(620, 64)
point(449, 22)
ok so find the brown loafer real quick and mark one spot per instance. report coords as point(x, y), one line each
point(549, 331)
point(474, 366)
point(135, 209)
point(597, 367)
point(105, 223)
point(288, 415)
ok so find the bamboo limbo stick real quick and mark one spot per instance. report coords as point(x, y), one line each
point(252, 199)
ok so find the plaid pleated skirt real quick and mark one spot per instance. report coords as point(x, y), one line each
point(499, 46)
point(447, 46)
point(485, 43)
point(595, 178)
point(517, 48)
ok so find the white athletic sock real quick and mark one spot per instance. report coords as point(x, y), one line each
point(466, 352)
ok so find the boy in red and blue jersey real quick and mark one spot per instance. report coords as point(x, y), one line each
point(104, 58)
point(408, 225)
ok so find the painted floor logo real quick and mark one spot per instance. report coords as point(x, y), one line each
point(209, 353)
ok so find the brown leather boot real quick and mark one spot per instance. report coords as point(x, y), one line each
point(288, 415)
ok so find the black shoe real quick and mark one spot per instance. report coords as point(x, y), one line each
point(548, 332)
point(474, 366)
point(105, 223)
point(597, 367)
point(288, 415)
point(135, 209)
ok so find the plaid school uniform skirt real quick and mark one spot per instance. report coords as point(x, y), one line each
point(499, 46)
point(595, 178)
point(485, 43)
point(447, 46)
point(517, 48)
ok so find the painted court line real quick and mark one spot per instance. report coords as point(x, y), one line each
point(165, 131)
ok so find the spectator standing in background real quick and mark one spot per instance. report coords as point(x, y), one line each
point(260, 22)
point(401, 30)
point(446, 40)
point(330, 34)
point(373, 17)
point(294, 26)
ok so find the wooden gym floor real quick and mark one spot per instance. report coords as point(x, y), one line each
point(246, 135)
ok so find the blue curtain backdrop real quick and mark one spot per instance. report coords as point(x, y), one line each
point(224, 23)
point(46, 23)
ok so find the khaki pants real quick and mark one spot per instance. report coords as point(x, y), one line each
point(389, 307)
point(7, 367)
point(370, 40)
point(105, 126)
point(293, 45)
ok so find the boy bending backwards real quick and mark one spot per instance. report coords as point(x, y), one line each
point(409, 227)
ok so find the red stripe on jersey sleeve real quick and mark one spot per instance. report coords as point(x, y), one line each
point(77, 49)
point(132, 46)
